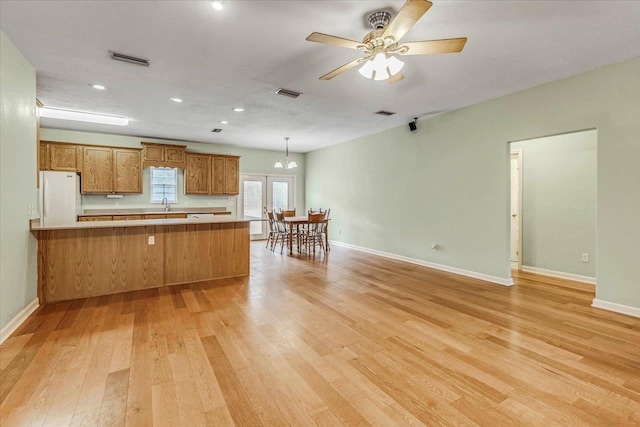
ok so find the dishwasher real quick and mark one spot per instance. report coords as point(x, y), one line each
point(200, 216)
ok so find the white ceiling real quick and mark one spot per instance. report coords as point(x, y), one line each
point(240, 56)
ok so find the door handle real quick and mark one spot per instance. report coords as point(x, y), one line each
point(514, 215)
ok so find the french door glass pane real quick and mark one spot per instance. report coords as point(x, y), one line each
point(253, 204)
point(280, 195)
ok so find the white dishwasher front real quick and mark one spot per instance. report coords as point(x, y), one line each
point(200, 215)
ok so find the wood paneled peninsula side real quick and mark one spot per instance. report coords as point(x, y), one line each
point(93, 258)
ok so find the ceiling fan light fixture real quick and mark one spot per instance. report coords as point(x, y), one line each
point(218, 5)
point(381, 67)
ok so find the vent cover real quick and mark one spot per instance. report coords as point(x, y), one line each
point(216, 130)
point(384, 113)
point(128, 58)
point(288, 92)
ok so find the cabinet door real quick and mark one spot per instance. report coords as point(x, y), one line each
point(174, 154)
point(153, 153)
point(232, 176)
point(197, 175)
point(127, 217)
point(97, 170)
point(62, 157)
point(44, 156)
point(128, 170)
point(217, 175)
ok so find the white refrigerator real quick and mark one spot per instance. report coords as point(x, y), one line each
point(60, 200)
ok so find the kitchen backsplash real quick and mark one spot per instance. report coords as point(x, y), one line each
point(100, 201)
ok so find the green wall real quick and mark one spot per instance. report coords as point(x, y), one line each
point(448, 183)
point(559, 202)
point(251, 161)
point(18, 193)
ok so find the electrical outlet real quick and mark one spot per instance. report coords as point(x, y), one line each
point(152, 240)
point(435, 247)
point(585, 257)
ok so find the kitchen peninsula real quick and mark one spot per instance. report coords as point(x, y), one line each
point(93, 258)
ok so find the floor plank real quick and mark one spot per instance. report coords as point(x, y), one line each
point(342, 339)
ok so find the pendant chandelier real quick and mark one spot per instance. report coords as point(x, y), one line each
point(287, 162)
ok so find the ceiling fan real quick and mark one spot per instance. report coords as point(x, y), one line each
point(381, 44)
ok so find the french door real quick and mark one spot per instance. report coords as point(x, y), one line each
point(259, 191)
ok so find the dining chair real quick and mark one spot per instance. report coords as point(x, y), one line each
point(289, 213)
point(271, 237)
point(313, 235)
point(282, 231)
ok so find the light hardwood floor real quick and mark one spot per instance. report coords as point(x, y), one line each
point(347, 339)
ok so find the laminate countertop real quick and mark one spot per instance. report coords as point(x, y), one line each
point(36, 225)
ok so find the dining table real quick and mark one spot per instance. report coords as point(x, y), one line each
point(296, 221)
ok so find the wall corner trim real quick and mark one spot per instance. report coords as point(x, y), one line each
point(448, 269)
point(559, 274)
point(618, 308)
point(18, 320)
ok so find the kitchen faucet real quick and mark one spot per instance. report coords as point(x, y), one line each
point(166, 204)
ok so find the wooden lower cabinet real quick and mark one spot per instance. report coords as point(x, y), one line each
point(86, 262)
point(175, 216)
point(95, 218)
point(126, 217)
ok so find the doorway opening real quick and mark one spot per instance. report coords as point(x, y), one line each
point(260, 191)
point(516, 209)
point(553, 204)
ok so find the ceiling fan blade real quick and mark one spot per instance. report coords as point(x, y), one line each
point(433, 46)
point(396, 77)
point(406, 18)
point(334, 41)
point(340, 70)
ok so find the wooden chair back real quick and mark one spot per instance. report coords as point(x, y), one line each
point(290, 213)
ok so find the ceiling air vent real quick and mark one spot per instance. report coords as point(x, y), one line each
point(216, 130)
point(127, 58)
point(289, 93)
point(384, 113)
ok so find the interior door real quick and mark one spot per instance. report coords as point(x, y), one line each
point(515, 208)
point(253, 199)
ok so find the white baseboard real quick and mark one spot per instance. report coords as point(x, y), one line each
point(455, 270)
point(18, 320)
point(560, 274)
point(618, 308)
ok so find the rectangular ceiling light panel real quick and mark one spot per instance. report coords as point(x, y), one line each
point(80, 116)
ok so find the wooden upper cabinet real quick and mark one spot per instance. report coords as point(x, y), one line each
point(62, 157)
point(232, 175)
point(174, 154)
point(162, 155)
point(197, 177)
point(127, 170)
point(218, 175)
point(98, 170)
point(153, 153)
point(44, 156)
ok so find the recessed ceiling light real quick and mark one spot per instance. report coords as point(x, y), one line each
point(217, 5)
point(178, 100)
point(238, 109)
point(99, 87)
point(80, 116)
point(224, 122)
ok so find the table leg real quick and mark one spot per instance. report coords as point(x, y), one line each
point(326, 236)
point(291, 238)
